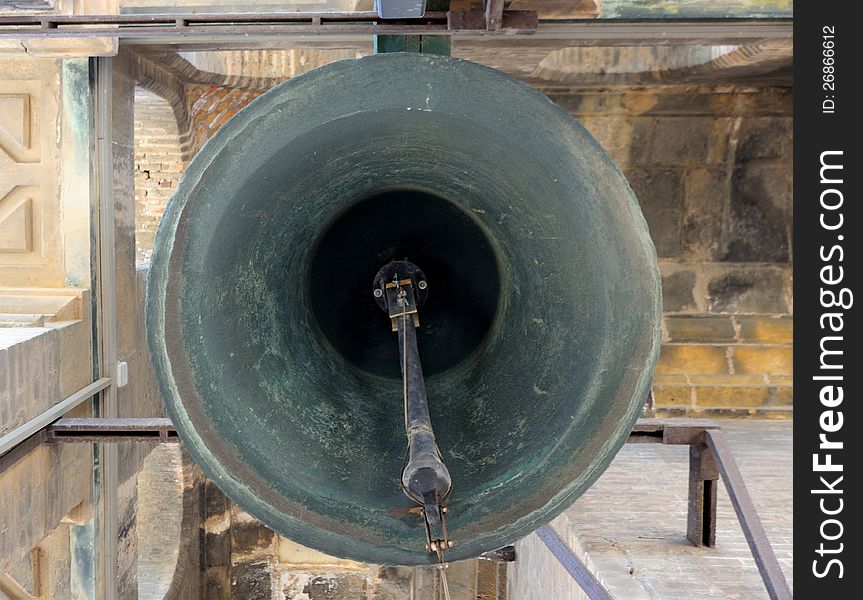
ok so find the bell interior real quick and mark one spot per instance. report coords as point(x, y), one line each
point(450, 247)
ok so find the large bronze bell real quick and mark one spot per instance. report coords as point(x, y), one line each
point(538, 337)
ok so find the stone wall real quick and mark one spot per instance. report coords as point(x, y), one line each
point(711, 167)
point(49, 514)
point(45, 324)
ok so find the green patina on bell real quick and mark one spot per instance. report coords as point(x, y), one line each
point(538, 338)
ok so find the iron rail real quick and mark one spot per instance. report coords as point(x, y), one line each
point(261, 28)
point(710, 459)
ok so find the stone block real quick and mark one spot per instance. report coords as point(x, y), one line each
point(726, 379)
point(253, 580)
point(672, 395)
point(732, 396)
point(337, 586)
point(582, 104)
point(782, 395)
point(757, 228)
point(705, 198)
point(217, 584)
point(677, 291)
point(76, 367)
point(680, 141)
point(30, 360)
point(781, 379)
point(683, 359)
point(765, 138)
point(737, 412)
point(216, 504)
point(250, 537)
point(755, 290)
point(691, 102)
point(490, 580)
point(217, 548)
point(774, 101)
point(704, 329)
point(614, 134)
point(292, 553)
point(768, 360)
point(560, 9)
point(660, 194)
point(639, 103)
point(766, 329)
point(38, 492)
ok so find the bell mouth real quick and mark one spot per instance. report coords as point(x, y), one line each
point(265, 336)
point(445, 241)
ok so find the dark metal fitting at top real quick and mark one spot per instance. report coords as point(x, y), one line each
point(400, 288)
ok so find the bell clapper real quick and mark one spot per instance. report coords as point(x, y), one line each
point(400, 289)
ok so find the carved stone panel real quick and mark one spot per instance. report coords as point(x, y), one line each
point(30, 245)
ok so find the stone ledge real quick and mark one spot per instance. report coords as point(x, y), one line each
point(40, 365)
point(20, 306)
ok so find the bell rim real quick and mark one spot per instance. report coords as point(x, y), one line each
point(284, 523)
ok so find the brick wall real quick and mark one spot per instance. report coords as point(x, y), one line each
point(158, 165)
point(160, 148)
point(212, 106)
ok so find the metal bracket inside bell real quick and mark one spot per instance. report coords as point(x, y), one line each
point(443, 543)
point(400, 288)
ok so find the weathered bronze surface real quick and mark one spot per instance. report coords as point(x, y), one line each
point(538, 339)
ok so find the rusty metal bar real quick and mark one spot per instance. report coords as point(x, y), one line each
point(709, 457)
point(252, 29)
point(762, 551)
point(112, 430)
point(205, 18)
point(19, 442)
point(583, 576)
point(244, 24)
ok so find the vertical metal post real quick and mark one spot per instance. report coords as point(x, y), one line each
point(703, 482)
point(106, 456)
point(762, 551)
